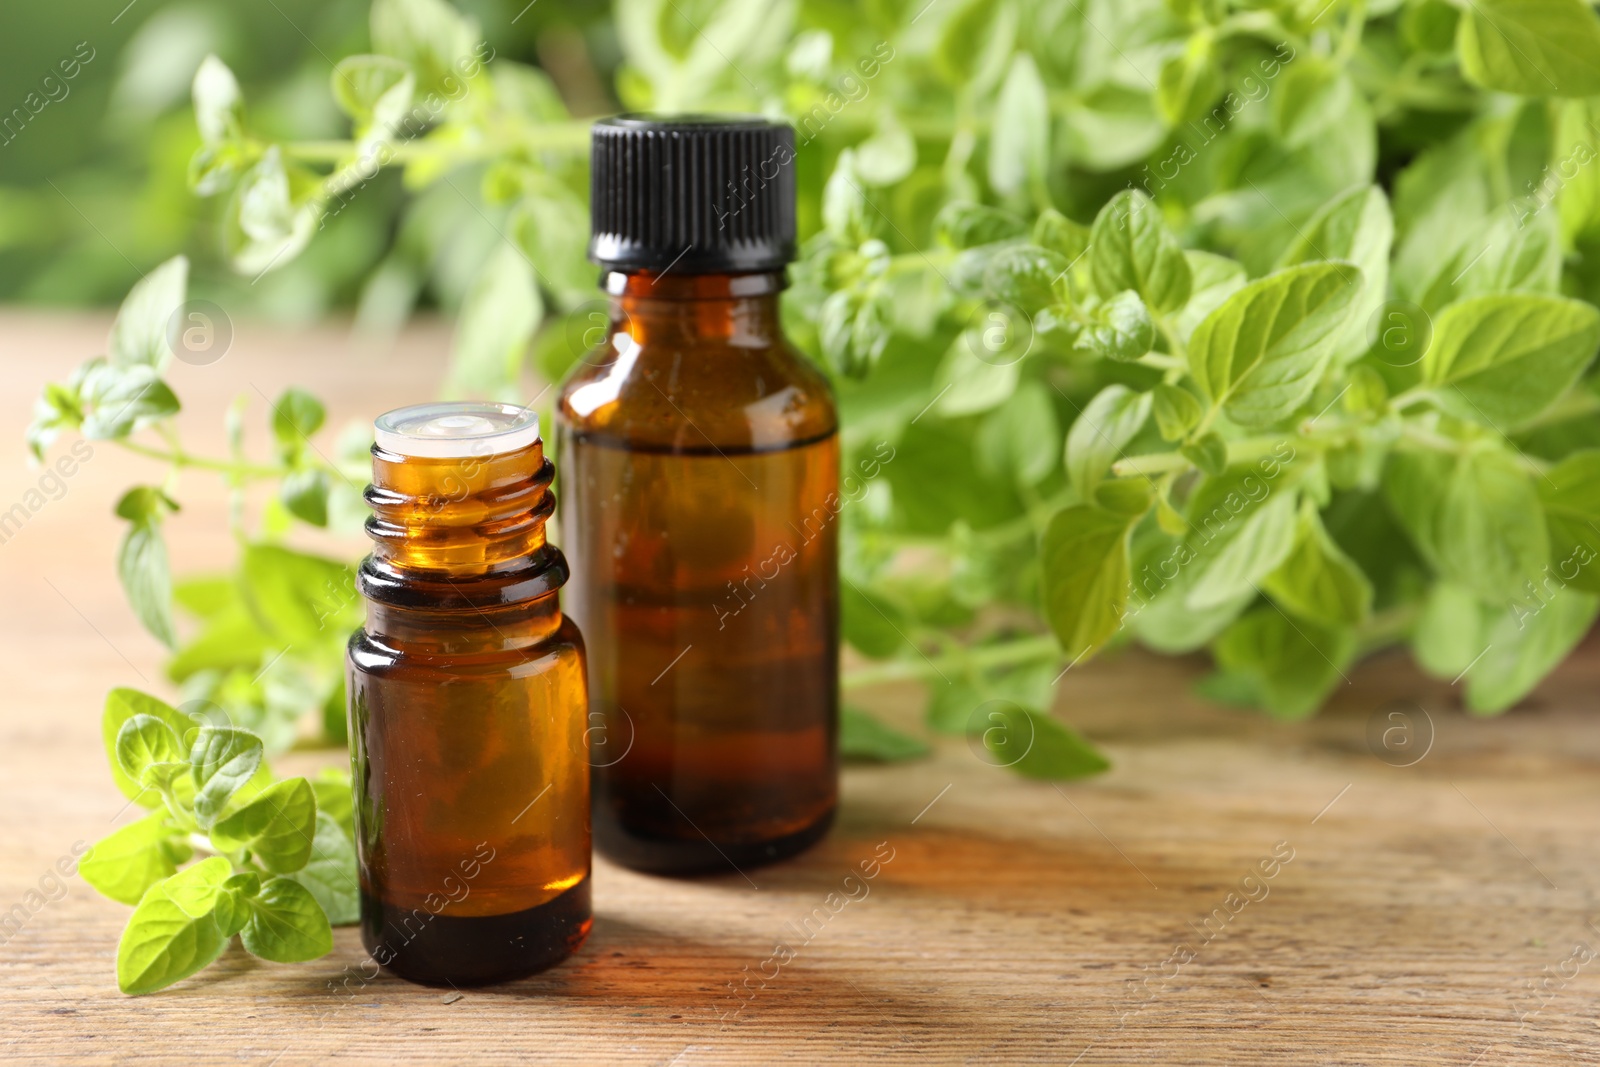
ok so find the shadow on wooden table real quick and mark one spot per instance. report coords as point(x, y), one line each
point(710, 987)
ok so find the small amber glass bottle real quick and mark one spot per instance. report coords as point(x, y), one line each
point(467, 706)
point(699, 462)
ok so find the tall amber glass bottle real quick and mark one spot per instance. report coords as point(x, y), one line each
point(699, 470)
point(467, 706)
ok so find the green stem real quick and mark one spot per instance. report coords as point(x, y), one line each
point(181, 817)
point(1410, 398)
point(1024, 527)
point(1439, 443)
point(555, 136)
point(180, 458)
point(1430, 440)
point(1387, 628)
point(1156, 463)
point(1179, 352)
point(962, 142)
point(1168, 462)
point(1028, 525)
point(1355, 25)
point(1029, 649)
point(1162, 362)
point(1206, 420)
point(902, 262)
point(1576, 404)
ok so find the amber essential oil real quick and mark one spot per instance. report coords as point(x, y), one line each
point(467, 703)
point(699, 469)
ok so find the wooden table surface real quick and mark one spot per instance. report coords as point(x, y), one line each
point(1430, 914)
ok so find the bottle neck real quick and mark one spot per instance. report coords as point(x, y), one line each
point(459, 547)
point(459, 517)
point(741, 310)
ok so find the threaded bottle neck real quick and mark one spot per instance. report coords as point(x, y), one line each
point(459, 517)
point(460, 496)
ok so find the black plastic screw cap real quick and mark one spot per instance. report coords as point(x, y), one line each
point(696, 194)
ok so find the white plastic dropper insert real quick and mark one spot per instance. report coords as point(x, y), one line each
point(456, 429)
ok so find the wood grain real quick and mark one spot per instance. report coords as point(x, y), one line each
point(1016, 921)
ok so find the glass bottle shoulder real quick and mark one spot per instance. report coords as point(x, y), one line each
point(508, 648)
point(687, 394)
point(466, 655)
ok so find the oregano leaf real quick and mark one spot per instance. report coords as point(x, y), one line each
point(1258, 355)
point(1502, 359)
point(286, 924)
point(223, 759)
point(127, 862)
point(1131, 248)
point(1084, 557)
point(174, 931)
point(277, 826)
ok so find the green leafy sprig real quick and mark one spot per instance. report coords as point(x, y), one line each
point(275, 862)
point(271, 635)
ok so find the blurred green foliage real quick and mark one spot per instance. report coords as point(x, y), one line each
point(92, 189)
point(1261, 326)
